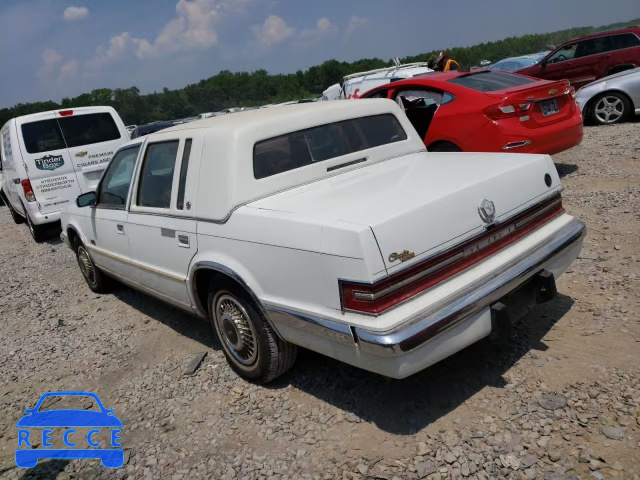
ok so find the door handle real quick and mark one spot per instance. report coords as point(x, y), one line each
point(183, 241)
point(16, 181)
point(120, 228)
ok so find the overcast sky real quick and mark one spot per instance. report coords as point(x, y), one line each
point(55, 48)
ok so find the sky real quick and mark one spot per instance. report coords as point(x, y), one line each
point(50, 49)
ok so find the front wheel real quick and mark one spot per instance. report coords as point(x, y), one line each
point(609, 108)
point(249, 343)
point(96, 280)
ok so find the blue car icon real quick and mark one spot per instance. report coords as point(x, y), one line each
point(69, 418)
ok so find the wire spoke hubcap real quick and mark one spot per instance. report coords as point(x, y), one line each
point(86, 265)
point(609, 109)
point(236, 330)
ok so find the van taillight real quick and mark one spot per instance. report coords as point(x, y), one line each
point(28, 191)
point(65, 113)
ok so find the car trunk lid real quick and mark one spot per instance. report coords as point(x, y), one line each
point(421, 204)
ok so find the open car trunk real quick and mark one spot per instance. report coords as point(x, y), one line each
point(423, 203)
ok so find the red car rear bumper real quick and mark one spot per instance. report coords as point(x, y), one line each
point(551, 139)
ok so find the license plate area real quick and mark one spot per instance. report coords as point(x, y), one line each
point(549, 107)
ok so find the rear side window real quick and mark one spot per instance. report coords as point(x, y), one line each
point(156, 177)
point(87, 129)
point(625, 40)
point(593, 46)
point(317, 144)
point(488, 81)
point(42, 136)
point(184, 167)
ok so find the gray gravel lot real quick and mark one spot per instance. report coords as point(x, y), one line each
point(560, 399)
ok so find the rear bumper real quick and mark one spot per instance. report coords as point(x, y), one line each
point(437, 331)
point(39, 218)
point(547, 140)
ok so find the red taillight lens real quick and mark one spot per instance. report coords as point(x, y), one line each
point(506, 110)
point(66, 113)
point(376, 298)
point(28, 191)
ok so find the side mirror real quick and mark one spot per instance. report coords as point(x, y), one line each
point(88, 199)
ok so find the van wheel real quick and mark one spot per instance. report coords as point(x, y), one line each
point(98, 282)
point(609, 108)
point(17, 218)
point(252, 348)
point(39, 232)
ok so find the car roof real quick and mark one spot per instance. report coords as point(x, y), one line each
point(76, 110)
point(634, 29)
point(293, 117)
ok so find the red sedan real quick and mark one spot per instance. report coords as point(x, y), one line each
point(488, 111)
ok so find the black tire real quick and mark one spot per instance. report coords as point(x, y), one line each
point(259, 356)
point(17, 218)
point(609, 108)
point(444, 147)
point(98, 282)
point(40, 233)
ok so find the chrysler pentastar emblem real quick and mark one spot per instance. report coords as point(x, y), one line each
point(487, 211)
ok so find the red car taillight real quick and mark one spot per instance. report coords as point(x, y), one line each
point(28, 191)
point(506, 110)
point(376, 298)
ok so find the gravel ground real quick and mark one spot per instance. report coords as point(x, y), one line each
point(560, 399)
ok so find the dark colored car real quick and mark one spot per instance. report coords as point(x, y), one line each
point(589, 58)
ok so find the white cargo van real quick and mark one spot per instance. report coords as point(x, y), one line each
point(50, 158)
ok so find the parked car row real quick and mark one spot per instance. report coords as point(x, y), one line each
point(323, 225)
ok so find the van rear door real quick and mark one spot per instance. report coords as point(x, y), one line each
point(92, 136)
point(47, 162)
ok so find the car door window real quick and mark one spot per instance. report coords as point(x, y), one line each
point(593, 46)
point(420, 106)
point(625, 40)
point(568, 52)
point(114, 187)
point(156, 177)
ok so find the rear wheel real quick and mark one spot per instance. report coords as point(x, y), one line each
point(444, 147)
point(251, 346)
point(609, 108)
point(17, 218)
point(97, 281)
point(40, 233)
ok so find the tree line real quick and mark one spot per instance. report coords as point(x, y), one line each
point(228, 89)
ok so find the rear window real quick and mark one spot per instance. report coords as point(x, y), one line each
point(87, 129)
point(69, 132)
point(305, 147)
point(42, 136)
point(488, 81)
point(625, 40)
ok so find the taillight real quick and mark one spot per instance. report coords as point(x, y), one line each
point(506, 110)
point(28, 191)
point(66, 113)
point(376, 298)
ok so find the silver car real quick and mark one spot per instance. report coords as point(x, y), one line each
point(611, 99)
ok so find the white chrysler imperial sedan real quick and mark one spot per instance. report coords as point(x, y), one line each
point(327, 226)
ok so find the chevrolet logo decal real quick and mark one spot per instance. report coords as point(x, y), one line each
point(81, 154)
point(553, 91)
